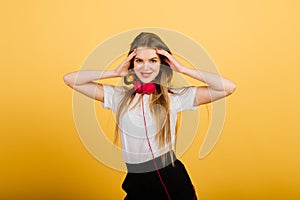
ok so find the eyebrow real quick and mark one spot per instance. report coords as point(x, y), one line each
point(148, 59)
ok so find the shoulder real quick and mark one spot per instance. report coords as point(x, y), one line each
point(114, 89)
point(182, 98)
point(113, 96)
point(176, 92)
point(114, 92)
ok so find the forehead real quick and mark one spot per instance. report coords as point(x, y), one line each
point(145, 52)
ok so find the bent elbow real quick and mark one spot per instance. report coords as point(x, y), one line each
point(230, 88)
point(69, 79)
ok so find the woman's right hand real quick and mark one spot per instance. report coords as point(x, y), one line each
point(83, 80)
point(122, 69)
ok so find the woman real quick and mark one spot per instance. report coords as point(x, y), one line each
point(146, 114)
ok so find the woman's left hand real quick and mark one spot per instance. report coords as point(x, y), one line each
point(174, 64)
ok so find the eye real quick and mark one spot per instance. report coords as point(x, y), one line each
point(138, 60)
point(153, 61)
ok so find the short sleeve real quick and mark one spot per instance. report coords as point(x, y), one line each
point(183, 99)
point(112, 96)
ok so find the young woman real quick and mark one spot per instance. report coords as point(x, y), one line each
point(146, 114)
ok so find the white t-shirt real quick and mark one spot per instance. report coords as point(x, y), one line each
point(132, 128)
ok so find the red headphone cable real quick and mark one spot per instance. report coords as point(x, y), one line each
point(154, 161)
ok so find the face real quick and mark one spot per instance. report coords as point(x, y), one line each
point(146, 64)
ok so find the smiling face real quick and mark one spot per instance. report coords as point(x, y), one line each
point(146, 64)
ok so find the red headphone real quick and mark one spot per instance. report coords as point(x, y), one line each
point(144, 88)
point(149, 88)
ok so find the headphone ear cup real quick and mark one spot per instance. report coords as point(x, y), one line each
point(138, 87)
point(141, 88)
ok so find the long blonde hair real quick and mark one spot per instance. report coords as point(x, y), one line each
point(158, 98)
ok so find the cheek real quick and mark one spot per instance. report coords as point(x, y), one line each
point(158, 65)
point(155, 67)
point(155, 71)
point(137, 66)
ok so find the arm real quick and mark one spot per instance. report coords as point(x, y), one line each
point(217, 86)
point(83, 80)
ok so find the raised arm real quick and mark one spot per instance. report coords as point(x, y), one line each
point(83, 80)
point(217, 86)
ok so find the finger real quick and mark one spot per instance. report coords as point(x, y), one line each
point(158, 51)
point(167, 61)
point(134, 51)
point(131, 55)
point(162, 52)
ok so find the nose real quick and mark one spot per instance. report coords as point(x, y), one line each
point(146, 66)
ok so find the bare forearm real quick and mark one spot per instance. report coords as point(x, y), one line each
point(214, 81)
point(86, 76)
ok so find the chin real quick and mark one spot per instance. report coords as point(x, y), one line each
point(146, 81)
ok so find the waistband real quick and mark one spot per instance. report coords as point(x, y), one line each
point(149, 166)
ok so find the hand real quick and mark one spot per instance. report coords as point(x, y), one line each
point(122, 69)
point(174, 64)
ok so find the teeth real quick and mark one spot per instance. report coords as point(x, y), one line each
point(146, 74)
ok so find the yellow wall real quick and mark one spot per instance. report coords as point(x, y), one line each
point(254, 43)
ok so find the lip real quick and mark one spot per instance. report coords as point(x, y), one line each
point(146, 74)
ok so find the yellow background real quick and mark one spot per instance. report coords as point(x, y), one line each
point(254, 43)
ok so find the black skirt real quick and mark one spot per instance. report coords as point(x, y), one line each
point(169, 182)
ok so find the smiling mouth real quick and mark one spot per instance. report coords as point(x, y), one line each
point(146, 75)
